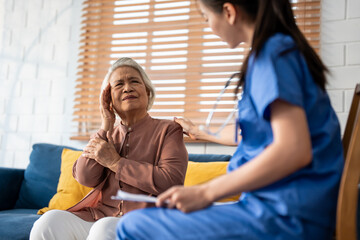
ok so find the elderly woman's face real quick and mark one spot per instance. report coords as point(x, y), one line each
point(128, 91)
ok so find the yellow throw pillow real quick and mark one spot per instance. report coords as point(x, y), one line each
point(200, 172)
point(69, 191)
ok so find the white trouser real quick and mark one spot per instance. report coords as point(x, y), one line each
point(63, 225)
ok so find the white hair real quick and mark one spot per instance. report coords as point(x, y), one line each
point(129, 62)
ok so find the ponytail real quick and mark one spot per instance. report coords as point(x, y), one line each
point(276, 16)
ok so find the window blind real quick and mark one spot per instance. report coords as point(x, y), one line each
point(186, 62)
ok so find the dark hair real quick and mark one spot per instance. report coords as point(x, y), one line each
point(270, 17)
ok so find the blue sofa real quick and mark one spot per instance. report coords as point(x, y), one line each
point(25, 191)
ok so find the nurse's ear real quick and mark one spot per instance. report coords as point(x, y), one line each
point(229, 12)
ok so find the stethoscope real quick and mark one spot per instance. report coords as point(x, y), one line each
point(206, 127)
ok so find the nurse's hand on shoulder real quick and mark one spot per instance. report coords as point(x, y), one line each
point(185, 199)
point(189, 127)
point(103, 152)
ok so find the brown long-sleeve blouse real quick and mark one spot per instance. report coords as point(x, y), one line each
point(153, 158)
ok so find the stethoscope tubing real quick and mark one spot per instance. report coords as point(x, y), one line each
point(211, 113)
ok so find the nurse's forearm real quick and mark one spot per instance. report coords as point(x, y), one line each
point(225, 137)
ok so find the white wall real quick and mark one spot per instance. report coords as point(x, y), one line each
point(340, 39)
point(38, 60)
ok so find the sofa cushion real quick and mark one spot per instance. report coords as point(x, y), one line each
point(201, 172)
point(69, 191)
point(41, 176)
point(16, 224)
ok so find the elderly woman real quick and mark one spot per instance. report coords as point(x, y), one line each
point(141, 155)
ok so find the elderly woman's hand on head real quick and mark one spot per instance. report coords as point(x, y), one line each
point(106, 110)
point(103, 152)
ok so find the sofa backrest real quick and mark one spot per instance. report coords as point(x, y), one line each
point(209, 157)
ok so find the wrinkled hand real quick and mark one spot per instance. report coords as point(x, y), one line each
point(189, 127)
point(106, 110)
point(186, 199)
point(103, 152)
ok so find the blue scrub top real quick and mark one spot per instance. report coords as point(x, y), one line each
point(280, 72)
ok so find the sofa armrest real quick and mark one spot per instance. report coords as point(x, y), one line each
point(10, 183)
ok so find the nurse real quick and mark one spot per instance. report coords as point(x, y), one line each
point(289, 162)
